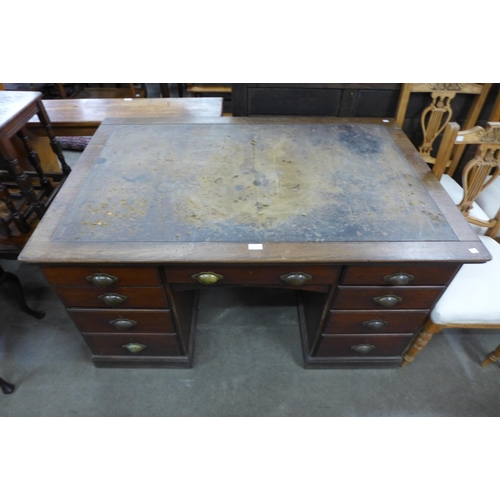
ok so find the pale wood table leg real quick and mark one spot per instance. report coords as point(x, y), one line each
point(421, 341)
point(492, 357)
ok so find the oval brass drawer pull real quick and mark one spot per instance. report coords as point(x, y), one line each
point(102, 279)
point(375, 324)
point(387, 300)
point(207, 277)
point(123, 324)
point(398, 279)
point(134, 348)
point(114, 299)
point(363, 348)
point(295, 279)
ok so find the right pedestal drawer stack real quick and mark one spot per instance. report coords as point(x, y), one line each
point(376, 311)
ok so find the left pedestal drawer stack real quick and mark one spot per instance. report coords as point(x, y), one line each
point(123, 314)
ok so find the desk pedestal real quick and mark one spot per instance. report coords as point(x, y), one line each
point(350, 316)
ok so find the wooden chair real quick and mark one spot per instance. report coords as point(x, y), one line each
point(472, 299)
point(478, 176)
point(438, 113)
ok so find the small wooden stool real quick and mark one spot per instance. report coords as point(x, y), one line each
point(16, 109)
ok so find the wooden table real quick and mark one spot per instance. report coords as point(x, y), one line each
point(344, 211)
point(81, 117)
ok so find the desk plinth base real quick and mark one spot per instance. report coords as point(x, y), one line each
point(141, 362)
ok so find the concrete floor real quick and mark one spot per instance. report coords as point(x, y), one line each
point(247, 362)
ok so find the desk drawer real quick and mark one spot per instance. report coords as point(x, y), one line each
point(395, 275)
point(363, 346)
point(116, 276)
point(353, 297)
point(374, 322)
point(116, 320)
point(122, 297)
point(296, 275)
point(119, 344)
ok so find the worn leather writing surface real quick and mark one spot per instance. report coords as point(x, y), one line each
point(294, 182)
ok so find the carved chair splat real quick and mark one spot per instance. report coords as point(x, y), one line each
point(439, 112)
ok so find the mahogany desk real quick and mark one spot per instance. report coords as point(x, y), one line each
point(342, 210)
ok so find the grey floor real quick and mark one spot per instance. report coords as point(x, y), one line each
point(247, 362)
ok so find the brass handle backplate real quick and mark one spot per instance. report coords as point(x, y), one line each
point(101, 279)
point(295, 279)
point(387, 300)
point(207, 277)
point(398, 279)
point(123, 324)
point(113, 299)
point(134, 348)
point(375, 324)
point(363, 348)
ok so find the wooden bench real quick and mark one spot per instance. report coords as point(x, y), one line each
point(81, 117)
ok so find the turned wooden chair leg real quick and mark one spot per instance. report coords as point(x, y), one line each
point(6, 387)
point(492, 357)
point(421, 341)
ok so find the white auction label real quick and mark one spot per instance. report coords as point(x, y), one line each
point(255, 246)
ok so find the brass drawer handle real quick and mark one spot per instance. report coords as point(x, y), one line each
point(207, 277)
point(398, 279)
point(134, 348)
point(113, 299)
point(387, 300)
point(101, 279)
point(375, 324)
point(295, 279)
point(363, 348)
point(123, 324)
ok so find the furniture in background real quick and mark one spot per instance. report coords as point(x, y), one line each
point(471, 300)
point(6, 387)
point(25, 195)
point(478, 174)
point(439, 112)
point(84, 91)
point(343, 211)
point(16, 288)
point(197, 89)
point(492, 357)
point(81, 117)
point(351, 100)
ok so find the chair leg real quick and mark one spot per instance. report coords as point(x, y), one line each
point(6, 387)
point(492, 357)
point(6, 277)
point(421, 341)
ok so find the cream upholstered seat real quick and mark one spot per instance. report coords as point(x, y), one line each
point(473, 296)
point(489, 202)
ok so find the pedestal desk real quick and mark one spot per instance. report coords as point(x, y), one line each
point(344, 211)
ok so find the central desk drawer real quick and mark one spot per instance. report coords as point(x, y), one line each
point(119, 344)
point(122, 297)
point(116, 320)
point(354, 297)
point(102, 276)
point(374, 321)
point(398, 275)
point(295, 275)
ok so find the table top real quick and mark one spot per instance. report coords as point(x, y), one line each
point(306, 189)
point(12, 103)
point(89, 112)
